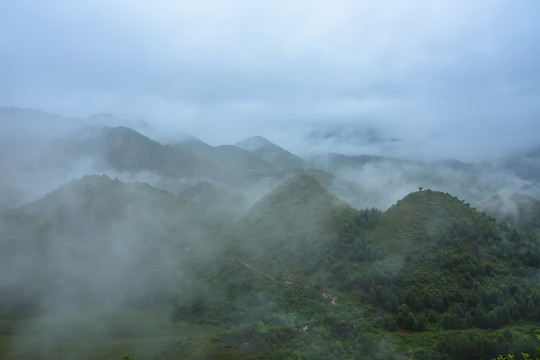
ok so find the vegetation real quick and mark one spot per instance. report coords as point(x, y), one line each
point(525, 356)
point(301, 275)
point(462, 278)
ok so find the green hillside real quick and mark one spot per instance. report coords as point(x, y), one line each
point(431, 276)
point(217, 198)
point(419, 217)
point(289, 222)
point(301, 275)
point(299, 204)
point(96, 234)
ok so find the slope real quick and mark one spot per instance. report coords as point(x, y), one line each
point(125, 149)
point(306, 275)
point(420, 215)
point(295, 217)
point(227, 164)
point(278, 157)
point(98, 240)
point(451, 266)
point(216, 197)
point(431, 276)
point(433, 263)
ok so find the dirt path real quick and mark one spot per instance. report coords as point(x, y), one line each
point(326, 296)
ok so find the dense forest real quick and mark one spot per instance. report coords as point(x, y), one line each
point(249, 252)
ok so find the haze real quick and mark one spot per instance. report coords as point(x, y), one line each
point(445, 79)
point(269, 179)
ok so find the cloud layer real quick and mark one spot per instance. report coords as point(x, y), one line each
point(452, 78)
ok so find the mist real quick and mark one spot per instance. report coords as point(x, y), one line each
point(199, 179)
point(448, 80)
point(117, 234)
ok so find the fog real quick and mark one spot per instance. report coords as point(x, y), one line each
point(100, 253)
point(430, 75)
point(128, 189)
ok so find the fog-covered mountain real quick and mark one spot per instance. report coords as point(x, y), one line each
point(278, 157)
point(98, 240)
point(115, 243)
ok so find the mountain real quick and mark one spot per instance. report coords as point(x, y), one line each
point(297, 204)
point(297, 215)
point(367, 180)
point(433, 262)
point(35, 164)
point(125, 149)
point(100, 268)
point(278, 157)
point(16, 122)
point(432, 239)
point(227, 163)
point(36, 155)
point(189, 143)
point(217, 198)
point(300, 268)
point(239, 161)
point(430, 265)
point(96, 240)
point(423, 214)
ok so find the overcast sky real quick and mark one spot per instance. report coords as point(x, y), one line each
point(455, 78)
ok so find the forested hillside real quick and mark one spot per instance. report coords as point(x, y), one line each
point(264, 263)
point(270, 180)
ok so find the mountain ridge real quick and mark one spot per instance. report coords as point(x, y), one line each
point(280, 158)
point(429, 277)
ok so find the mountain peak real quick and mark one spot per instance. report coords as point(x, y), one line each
point(298, 214)
point(434, 204)
point(299, 199)
point(255, 143)
point(185, 138)
point(123, 131)
point(423, 214)
point(299, 189)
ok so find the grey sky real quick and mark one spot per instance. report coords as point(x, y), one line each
point(455, 78)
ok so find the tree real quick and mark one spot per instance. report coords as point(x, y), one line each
point(409, 321)
point(452, 321)
point(525, 356)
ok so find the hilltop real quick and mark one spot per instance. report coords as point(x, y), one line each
point(421, 215)
point(96, 234)
point(291, 219)
point(429, 265)
point(189, 250)
point(300, 267)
